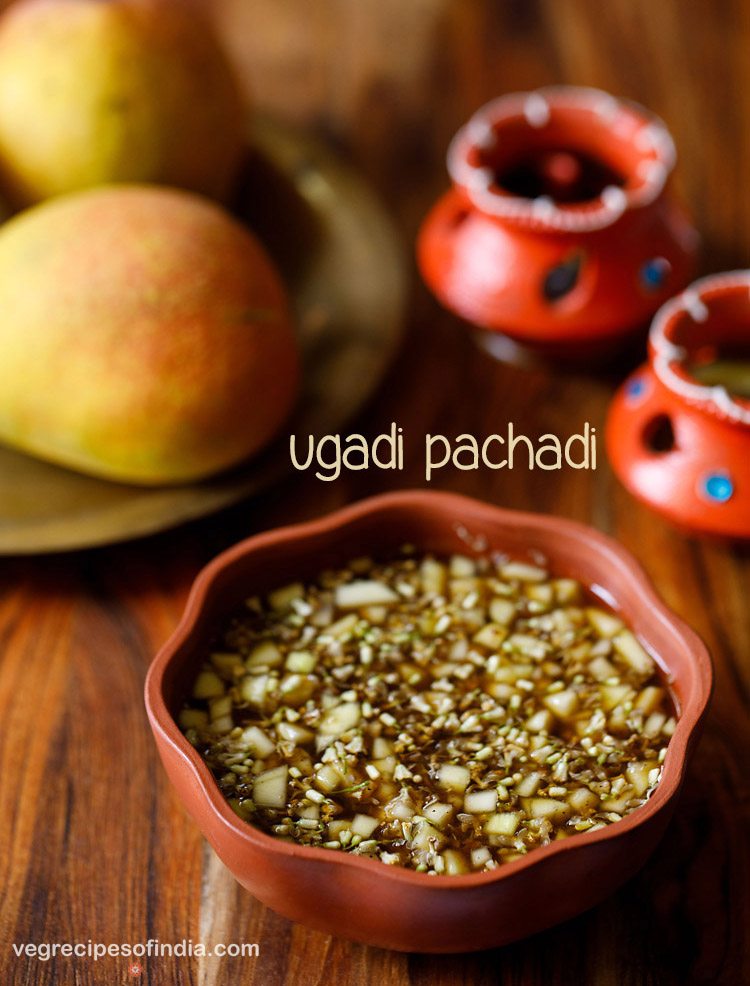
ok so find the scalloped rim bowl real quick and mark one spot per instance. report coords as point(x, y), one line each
point(389, 906)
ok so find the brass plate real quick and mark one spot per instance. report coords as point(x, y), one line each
point(346, 272)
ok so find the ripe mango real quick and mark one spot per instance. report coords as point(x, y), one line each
point(101, 91)
point(144, 337)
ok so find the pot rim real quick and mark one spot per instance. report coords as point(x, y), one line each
point(166, 729)
point(645, 183)
point(669, 357)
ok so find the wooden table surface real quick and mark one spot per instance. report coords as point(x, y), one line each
point(93, 844)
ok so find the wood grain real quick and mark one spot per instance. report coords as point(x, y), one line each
point(92, 841)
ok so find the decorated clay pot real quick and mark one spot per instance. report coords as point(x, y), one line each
point(558, 230)
point(678, 434)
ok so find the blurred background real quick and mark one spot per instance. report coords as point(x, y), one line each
point(393, 80)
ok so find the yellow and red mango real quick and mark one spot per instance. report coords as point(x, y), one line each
point(145, 336)
point(94, 92)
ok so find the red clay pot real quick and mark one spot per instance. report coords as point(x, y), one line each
point(680, 445)
point(354, 897)
point(558, 230)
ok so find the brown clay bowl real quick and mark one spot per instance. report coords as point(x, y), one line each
point(363, 899)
